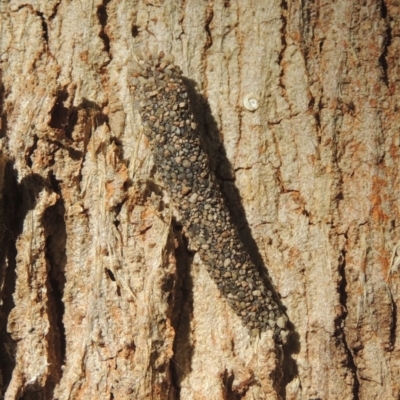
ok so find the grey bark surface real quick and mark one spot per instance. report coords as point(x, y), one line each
point(100, 294)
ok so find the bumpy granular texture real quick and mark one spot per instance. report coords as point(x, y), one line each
point(184, 168)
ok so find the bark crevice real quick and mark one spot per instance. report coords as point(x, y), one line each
point(340, 325)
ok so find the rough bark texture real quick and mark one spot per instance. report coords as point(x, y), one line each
point(100, 295)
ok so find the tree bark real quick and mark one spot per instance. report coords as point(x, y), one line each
point(102, 295)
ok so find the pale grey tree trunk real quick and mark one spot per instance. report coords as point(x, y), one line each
point(101, 296)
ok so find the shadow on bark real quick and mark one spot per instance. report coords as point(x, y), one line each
point(182, 312)
point(213, 146)
point(10, 228)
